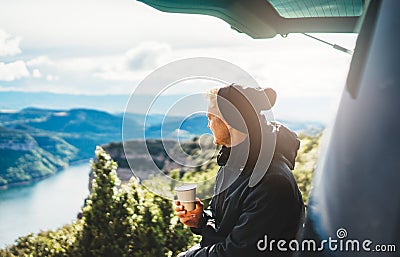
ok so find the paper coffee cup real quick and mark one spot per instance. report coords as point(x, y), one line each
point(187, 196)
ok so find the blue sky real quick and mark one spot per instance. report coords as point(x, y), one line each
point(108, 47)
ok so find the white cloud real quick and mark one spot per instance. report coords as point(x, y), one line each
point(180, 133)
point(147, 55)
point(51, 77)
point(9, 45)
point(84, 64)
point(36, 73)
point(116, 75)
point(136, 62)
point(39, 61)
point(12, 71)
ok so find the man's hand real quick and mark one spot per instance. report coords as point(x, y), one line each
point(190, 218)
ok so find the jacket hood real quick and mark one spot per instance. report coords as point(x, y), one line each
point(287, 145)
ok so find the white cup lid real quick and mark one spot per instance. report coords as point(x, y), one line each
point(186, 187)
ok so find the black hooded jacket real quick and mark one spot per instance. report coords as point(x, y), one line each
point(240, 216)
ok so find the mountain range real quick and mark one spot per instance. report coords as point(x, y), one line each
point(298, 108)
point(35, 143)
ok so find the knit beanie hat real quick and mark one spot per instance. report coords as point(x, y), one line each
point(241, 106)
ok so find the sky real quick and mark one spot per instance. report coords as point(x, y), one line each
point(106, 47)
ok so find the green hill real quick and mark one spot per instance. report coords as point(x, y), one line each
point(35, 143)
point(25, 157)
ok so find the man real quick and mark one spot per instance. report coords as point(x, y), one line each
point(241, 216)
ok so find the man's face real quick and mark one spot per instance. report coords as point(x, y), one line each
point(219, 129)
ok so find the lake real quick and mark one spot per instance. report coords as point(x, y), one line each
point(43, 205)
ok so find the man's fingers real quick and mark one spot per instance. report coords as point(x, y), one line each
point(181, 213)
point(199, 205)
point(199, 202)
point(187, 218)
point(179, 208)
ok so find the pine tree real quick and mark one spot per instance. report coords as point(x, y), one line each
point(177, 237)
point(159, 232)
point(107, 228)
